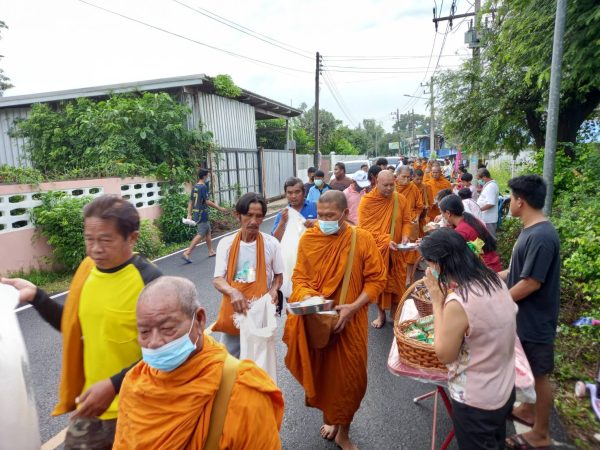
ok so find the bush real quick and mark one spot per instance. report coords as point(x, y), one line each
point(149, 242)
point(507, 236)
point(174, 208)
point(60, 220)
point(19, 175)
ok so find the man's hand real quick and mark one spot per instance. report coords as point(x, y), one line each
point(309, 223)
point(346, 314)
point(405, 240)
point(432, 285)
point(223, 210)
point(27, 289)
point(238, 302)
point(284, 215)
point(274, 296)
point(96, 400)
point(393, 246)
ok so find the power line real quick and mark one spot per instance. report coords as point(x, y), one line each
point(379, 68)
point(190, 39)
point(338, 98)
point(383, 57)
point(243, 29)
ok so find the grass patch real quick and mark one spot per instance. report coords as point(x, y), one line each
point(51, 282)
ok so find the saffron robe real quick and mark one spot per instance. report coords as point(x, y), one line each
point(436, 186)
point(171, 410)
point(334, 378)
point(414, 197)
point(375, 216)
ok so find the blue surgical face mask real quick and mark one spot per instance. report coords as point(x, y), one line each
point(435, 273)
point(329, 226)
point(171, 355)
point(318, 183)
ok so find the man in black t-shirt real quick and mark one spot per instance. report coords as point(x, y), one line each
point(533, 278)
point(198, 212)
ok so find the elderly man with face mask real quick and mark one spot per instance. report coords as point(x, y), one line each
point(188, 393)
point(340, 262)
point(386, 215)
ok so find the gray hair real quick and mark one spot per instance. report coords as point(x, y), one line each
point(182, 288)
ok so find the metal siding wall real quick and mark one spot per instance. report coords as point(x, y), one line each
point(232, 123)
point(12, 150)
point(278, 166)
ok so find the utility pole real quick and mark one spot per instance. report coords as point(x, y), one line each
point(398, 128)
point(317, 73)
point(432, 117)
point(554, 102)
point(476, 51)
point(412, 141)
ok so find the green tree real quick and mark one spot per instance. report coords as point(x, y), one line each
point(271, 133)
point(137, 134)
point(500, 104)
point(4, 80)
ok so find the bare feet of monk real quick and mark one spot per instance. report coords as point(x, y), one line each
point(380, 321)
point(342, 439)
point(329, 432)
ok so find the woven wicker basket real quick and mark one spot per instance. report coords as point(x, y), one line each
point(412, 352)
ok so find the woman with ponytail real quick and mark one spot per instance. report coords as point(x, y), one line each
point(471, 229)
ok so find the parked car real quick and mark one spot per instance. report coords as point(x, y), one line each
point(352, 167)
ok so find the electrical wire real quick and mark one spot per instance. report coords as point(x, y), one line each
point(338, 98)
point(243, 29)
point(192, 40)
point(381, 58)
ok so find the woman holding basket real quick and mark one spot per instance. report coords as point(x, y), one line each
point(475, 329)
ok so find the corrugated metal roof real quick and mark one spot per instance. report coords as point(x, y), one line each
point(265, 108)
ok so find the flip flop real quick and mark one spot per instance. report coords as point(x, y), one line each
point(186, 259)
point(518, 442)
point(212, 256)
point(514, 418)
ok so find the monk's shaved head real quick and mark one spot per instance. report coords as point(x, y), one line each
point(165, 289)
point(386, 183)
point(336, 197)
point(403, 169)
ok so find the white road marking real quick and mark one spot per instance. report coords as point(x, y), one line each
point(55, 441)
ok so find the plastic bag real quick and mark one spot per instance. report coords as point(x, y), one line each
point(289, 247)
point(524, 379)
point(257, 335)
point(19, 422)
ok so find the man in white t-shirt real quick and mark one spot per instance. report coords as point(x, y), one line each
point(242, 273)
point(488, 200)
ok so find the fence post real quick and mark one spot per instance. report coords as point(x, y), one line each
point(261, 171)
point(294, 162)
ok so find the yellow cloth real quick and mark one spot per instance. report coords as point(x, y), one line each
point(250, 291)
point(375, 216)
point(107, 318)
point(415, 204)
point(436, 186)
point(171, 410)
point(334, 378)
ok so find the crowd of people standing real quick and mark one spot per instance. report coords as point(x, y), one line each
point(139, 371)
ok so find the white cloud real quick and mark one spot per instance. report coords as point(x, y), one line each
point(66, 44)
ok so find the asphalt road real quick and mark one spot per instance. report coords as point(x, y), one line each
point(387, 419)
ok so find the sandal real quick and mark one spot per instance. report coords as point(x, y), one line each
point(515, 418)
point(518, 442)
point(186, 258)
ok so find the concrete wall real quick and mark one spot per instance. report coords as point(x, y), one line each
point(22, 249)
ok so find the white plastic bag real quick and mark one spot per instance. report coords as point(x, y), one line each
point(289, 247)
point(257, 335)
point(19, 422)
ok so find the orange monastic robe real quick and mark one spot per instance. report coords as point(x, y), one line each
point(334, 378)
point(414, 197)
point(427, 197)
point(171, 410)
point(436, 186)
point(375, 216)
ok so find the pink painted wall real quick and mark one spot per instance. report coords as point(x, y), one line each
point(24, 250)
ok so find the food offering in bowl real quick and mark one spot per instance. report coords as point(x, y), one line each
point(310, 305)
point(431, 226)
point(408, 246)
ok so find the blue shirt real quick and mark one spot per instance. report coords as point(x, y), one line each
point(314, 194)
point(308, 211)
point(199, 196)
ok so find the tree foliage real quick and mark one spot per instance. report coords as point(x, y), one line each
point(271, 133)
point(4, 80)
point(123, 135)
point(501, 103)
point(225, 87)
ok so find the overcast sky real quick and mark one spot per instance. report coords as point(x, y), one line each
point(65, 44)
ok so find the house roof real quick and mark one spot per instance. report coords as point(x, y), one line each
point(265, 108)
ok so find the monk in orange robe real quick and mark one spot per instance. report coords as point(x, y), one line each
point(334, 377)
point(427, 197)
point(436, 183)
point(376, 215)
point(427, 171)
point(414, 198)
point(170, 404)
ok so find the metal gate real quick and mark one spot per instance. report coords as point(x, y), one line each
point(235, 172)
point(278, 166)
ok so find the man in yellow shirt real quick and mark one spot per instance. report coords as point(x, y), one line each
point(100, 311)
